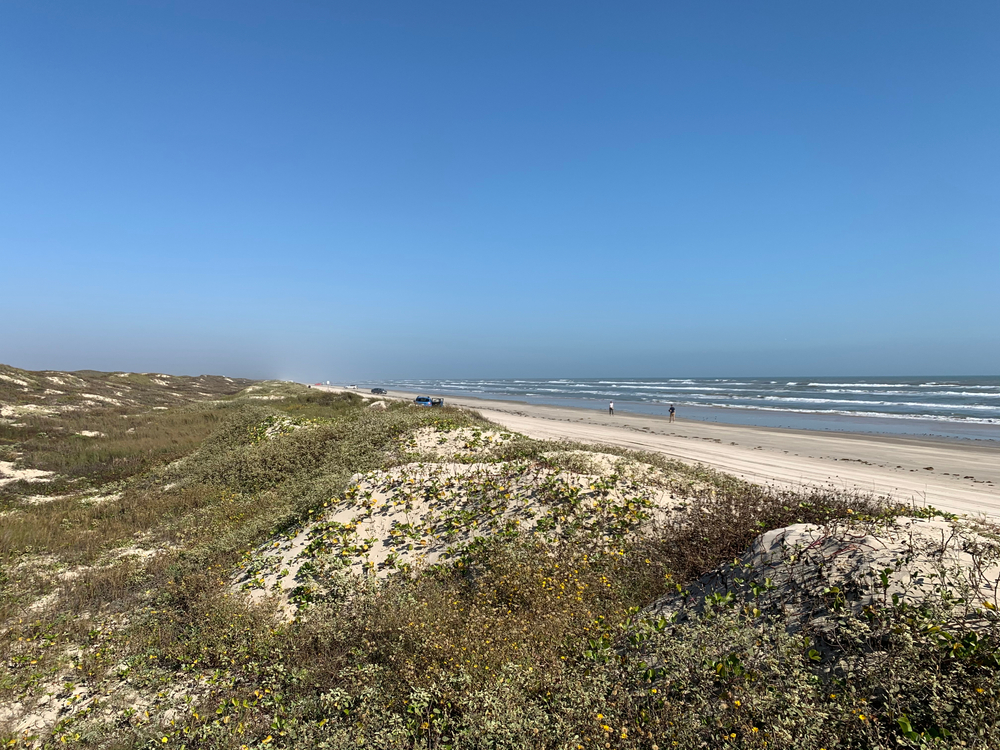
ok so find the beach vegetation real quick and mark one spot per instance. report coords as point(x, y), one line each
point(271, 566)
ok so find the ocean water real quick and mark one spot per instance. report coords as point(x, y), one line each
point(966, 407)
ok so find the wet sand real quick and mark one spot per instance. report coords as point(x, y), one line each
point(953, 475)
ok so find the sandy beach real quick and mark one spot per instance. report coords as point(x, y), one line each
point(958, 476)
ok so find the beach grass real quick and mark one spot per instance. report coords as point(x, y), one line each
point(117, 578)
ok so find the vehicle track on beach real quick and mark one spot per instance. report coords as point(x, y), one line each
point(873, 470)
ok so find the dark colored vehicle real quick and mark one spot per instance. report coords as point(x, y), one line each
point(437, 402)
point(379, 391)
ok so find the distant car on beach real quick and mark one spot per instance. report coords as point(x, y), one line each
point(428, 401)
point(379, 391)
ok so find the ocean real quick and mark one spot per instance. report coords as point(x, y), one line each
point(957, 407)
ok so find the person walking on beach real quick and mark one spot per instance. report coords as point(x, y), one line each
point(671, 412)
point(611, 408)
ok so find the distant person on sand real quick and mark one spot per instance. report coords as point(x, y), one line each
point(611, 408)
point(671, 412)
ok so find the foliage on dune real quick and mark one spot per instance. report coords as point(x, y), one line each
point(459, 586)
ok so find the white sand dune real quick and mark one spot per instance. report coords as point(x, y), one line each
point(421, 513)
point(9, 474)
point(957, 476)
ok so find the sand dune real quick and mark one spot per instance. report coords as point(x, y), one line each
point(958, 476)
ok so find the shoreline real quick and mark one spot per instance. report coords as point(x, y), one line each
point(762, 416)
point(919, 470)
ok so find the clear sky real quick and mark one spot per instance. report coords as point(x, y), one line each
point(356, 190)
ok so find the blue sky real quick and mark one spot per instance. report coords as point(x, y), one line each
point(390, 190)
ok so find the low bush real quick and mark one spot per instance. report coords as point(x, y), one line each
point(518, 641)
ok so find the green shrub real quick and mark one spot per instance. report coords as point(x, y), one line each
point(517, 642)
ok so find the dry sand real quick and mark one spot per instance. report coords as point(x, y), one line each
point(10, 474)
point(953, 475)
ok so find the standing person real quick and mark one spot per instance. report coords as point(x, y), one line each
point(611, 408)
point(671, 412)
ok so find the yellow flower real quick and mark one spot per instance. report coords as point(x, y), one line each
point(861, 716)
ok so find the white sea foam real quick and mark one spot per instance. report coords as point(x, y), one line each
point(854, 385)
point(961, 385)
point(898, 385)
point(859, 402)
point(678, 388)
point(968, 394)
point(848, 413)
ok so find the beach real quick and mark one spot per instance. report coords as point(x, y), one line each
point(965, 407)
point(959, 476)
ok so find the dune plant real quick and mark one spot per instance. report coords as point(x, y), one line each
point(129, 615)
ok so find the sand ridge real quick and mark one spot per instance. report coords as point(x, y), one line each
point(957, 476)
point(425, 512)
point(804, 573)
